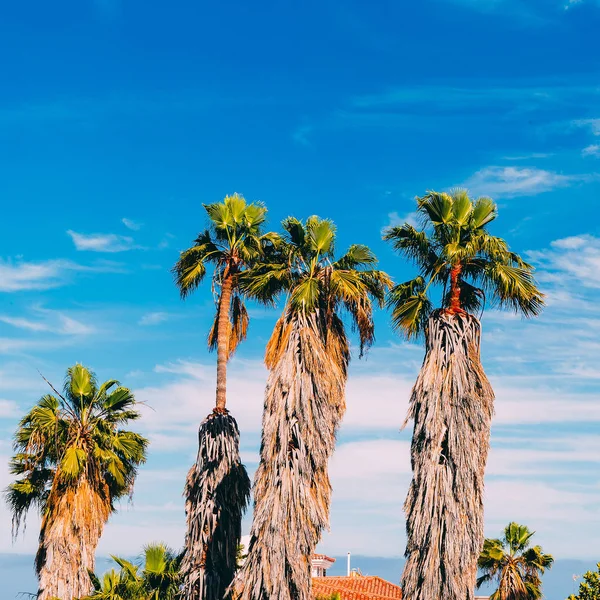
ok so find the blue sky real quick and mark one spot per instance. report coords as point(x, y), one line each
point(120, 118)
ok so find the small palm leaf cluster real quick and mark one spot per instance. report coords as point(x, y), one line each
point(514, 564)
point(155, 578)
point(452, 400)
point(454, 250)
point(217, 488)
point(307, 357)
point(73, 460)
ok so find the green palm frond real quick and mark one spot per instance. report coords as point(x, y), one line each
point(77, 435)
point(410, 306)
point(357, 255)
point(454, 239)
point(413, 244)
point(516, 567)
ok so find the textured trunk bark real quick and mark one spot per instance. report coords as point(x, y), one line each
point(304, 404)
point(217, 493)
point(452, 406)
point(223, 340)
point(70, 531)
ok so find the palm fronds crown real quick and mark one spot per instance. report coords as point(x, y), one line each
point(454, 250)
point(233, 242)
point(76, 434)
point(155, 577)
point(514, 564)
point(303, 266)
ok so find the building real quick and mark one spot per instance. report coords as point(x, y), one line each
point(354, 586)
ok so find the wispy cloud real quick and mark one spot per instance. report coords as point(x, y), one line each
point(55, 322)
point(592, 124)
point(395, 219)
point(575, 257)
point(133, 225)
point(508, 182)
point(153, 318)
point(19, 275)
point(591, 150)
point(102, 242)
point(301, 135)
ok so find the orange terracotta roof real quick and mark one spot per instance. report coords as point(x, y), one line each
point(356, 588)
point(323, 557)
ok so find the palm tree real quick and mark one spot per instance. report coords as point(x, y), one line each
point(515, 565)
point(452, 400)
point(218, 488)
point(155, 578)
point(73, 461)
point(307, 357)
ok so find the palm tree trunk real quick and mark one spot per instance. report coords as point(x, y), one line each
point(455, 272)
point(217, 488)
point(217, 493)
point(223, 326)
point(452, 406)
point(71, 528)
point(304, 404)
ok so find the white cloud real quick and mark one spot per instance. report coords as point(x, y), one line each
point(592, 124)
point(395, 219)
point(102, 242)
point(133, 225)
point(153, 318)
point(575, 257)
point(19, 275)
point(591, 150)
point(54, 322)
point(517, 181)
point(8, 408)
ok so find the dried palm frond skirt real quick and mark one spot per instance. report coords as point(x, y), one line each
point(304, 403)
point(452, 407)
point(72, 524)
point(217, 492)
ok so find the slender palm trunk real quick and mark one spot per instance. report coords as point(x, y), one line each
point(217, 488)
point(304, 404)
point(71, 528)
point(455, 273)
point(452, 406)
point(223, 327)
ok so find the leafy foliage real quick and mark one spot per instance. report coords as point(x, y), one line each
point(156, 577)
point(233, 242)
point(304, 267)
point(514, 564)
point(455, 251)
point(589, 588)
point(74, 435)
point(72, 460)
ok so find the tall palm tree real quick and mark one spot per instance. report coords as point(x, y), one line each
point(515, 565)
point(452, 400)
point(218, 488)
point(307, 357)
point(156, 577)
point(73, 460)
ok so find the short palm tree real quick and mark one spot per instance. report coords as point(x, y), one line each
point(155, 578)
point(73, 461)
point(217, 489)
point(452, 400)
point(307, 357)
point(514, 565)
